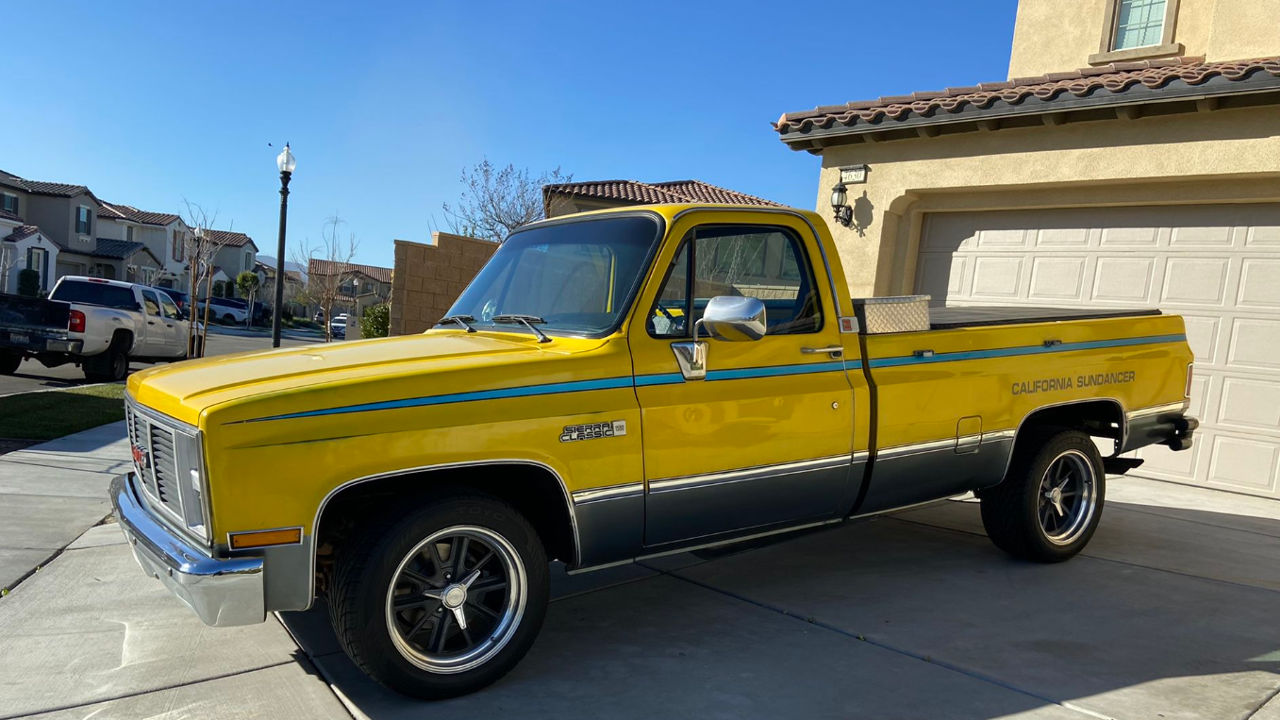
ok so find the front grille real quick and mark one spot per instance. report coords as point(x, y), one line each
point(165, 454)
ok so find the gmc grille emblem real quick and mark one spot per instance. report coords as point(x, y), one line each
point(139, 457)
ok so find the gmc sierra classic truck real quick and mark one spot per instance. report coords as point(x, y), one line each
point(611, 386)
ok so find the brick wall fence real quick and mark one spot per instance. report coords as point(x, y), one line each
point(428, 278)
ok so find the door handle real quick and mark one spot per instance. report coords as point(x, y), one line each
point(834, 351)
point(151, 322)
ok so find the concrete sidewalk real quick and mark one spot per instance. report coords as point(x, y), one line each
point(1170, 613)
point(52, 492)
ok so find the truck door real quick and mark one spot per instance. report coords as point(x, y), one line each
point(766, 438)
point(175, 328)
point(152, 342)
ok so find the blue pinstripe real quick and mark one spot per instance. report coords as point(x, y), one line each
point(713, 375)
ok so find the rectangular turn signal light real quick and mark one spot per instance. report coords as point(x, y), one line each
point(265, 538)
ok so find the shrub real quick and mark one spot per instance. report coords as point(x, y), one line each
point(28, 282)
point(376, 321)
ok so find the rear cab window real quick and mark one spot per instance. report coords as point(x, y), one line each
point(86, 292)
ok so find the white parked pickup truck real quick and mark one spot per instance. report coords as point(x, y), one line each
point(100, 325)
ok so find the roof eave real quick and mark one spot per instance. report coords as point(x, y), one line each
point(1217, 87)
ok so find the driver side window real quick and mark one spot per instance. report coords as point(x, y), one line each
point(151, 303)
point(767, 263)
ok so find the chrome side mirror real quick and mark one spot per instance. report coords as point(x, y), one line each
point(728, 318)
point(733, 318)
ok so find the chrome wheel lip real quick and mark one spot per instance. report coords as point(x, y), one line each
point(512, 611)
point(1083, 481)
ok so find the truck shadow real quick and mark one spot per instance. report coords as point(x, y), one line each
point(1170, 610)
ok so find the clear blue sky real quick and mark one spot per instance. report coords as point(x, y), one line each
point(149, 103)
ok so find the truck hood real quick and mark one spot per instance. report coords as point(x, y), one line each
point(186, 390)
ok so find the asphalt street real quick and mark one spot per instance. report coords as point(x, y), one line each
point(31, 375)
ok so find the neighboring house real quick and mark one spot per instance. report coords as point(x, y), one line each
point(66, 214)
point(1131, 159)
point(568, 198)
point(23, 247)
point(163, 234)
point(429, 277)
point(293, 285)
point(358, 286)
point(237, 254)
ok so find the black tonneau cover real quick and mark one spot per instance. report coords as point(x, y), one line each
point(945, 318)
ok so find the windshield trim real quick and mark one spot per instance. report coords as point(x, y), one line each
point(624, 312)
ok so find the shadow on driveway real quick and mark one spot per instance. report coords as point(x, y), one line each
point(1170, 613)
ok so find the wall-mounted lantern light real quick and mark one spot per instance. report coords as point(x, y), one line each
point(839, 205)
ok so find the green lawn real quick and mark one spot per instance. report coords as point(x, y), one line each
point(52, 414)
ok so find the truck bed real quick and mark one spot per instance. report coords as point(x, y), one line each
point(948, 318)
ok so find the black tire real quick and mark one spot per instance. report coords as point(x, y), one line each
point(9, 363)
point(381, 570)
point(1024, 517)
point(229, 319)
point(111, 364)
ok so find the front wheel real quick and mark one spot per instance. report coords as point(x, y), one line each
point(1049, 504)
point(9, 362)
point(444, 602)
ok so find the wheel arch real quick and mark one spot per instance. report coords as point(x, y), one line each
point(533, 488)
point(1099, 417)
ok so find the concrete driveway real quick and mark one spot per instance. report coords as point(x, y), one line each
point(1171, 613)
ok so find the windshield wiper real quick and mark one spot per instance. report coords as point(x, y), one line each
point(463, 320)
point(526, 320)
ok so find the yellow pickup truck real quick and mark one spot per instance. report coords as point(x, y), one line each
point(613, 386)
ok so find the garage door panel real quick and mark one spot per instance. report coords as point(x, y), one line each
point(1255, 343)
point(1062, 238)
point(1244, 463)
point(1250, 404)
point(1129, 237)
point(1202, 336)
point(1195, 280)
point(1259, 284)
point(1123, 279)
point(1189, 238)
point(997, 277)
point(1263, 236)
point(1056, 277)
point(1217, 266)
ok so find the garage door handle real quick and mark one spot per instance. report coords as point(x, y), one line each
point(834, 351)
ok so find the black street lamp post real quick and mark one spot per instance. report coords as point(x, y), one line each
point(286, 162)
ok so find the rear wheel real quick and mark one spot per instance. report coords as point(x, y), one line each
point(1050, 503)
point(229, 319)
point(111, 364)
point(444, 602)
point(9, 363)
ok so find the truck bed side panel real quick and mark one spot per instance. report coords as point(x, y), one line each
point(949, 402)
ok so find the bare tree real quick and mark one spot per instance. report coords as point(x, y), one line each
point(496, 201)
point(328, 267)
point(201, 245)
point(8, 258)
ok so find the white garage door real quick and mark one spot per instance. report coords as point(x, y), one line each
point(1216, 265)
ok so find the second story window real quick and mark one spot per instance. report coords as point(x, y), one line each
point(84, 217)
point(1138, 23)
point(128, 233)
point(9, 203)
point(179, 246)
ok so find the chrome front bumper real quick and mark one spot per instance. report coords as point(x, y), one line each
point(221, 591)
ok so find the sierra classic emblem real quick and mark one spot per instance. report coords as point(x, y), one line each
point(592, 431)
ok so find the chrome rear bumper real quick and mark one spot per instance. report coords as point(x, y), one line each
point(221, 591)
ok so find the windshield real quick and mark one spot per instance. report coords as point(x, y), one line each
point(577, 277)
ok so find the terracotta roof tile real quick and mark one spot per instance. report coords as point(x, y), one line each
point(22, 233)
point(116, 249)
point(1115, 78)
point(328, 267)
point(116, 211)
point(229, 238)
point(639, 193)
point(6, 215)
